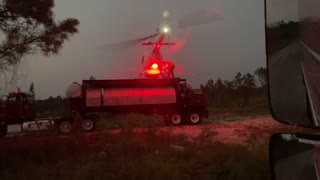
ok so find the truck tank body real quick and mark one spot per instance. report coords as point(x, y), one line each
point(130, 96)
point(74, 90)
point(93, 97)
point(129, 92)
point(139, 96)
point(146, 96)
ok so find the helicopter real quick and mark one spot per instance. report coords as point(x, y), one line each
point(155, 66)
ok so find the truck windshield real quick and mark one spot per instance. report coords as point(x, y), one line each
point(12, 100)
point(30, 100)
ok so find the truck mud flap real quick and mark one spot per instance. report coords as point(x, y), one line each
point(205, 113)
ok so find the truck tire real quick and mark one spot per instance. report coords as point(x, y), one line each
point(176, 119)
point(88, 124)
point(65, 127)
point(194, 117)
point(3, 130)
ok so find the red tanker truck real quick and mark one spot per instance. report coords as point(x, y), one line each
point(172, 98)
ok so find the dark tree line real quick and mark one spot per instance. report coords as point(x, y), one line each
point(242, 91)
point(280, 34)
point(53, 106)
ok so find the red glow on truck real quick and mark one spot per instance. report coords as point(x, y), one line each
point(153, 71)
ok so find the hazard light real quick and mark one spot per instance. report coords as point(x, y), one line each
point(154, 66)
point(153, 71)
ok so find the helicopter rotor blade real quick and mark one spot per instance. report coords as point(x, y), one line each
point(129, 43)
point(197, 18)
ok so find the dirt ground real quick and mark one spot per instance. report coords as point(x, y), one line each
point(239, 132)
point(242, 131)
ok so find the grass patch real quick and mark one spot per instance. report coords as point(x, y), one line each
point(149, 154)
point(109, 121)
point(233, 114)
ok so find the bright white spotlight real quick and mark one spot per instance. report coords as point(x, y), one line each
point(165, 29)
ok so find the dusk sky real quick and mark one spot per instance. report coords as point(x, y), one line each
point(232, 43)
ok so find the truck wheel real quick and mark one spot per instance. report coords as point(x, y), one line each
point(3, 130)
point(176, 119)
point(194, 118)
point(65, 127)
point(88, 124)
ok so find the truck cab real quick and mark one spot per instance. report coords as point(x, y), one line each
point(17, 108)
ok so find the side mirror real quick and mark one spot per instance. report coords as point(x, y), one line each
point(293, 60)
point(295, 156)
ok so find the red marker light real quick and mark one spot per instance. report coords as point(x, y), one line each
point(154, 66)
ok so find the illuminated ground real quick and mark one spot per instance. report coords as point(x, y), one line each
point(241, 131)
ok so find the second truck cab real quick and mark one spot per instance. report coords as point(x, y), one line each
point(16, 108)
